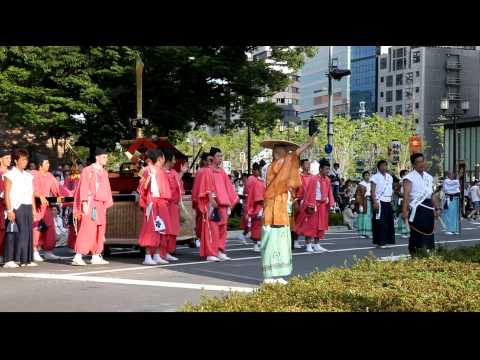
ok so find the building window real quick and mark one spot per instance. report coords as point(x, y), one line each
point(383, 63)
point(417, 73)
point(381, 79)
point(416, 121)
point(398, 95)
point(281, 101)
point(295, 90)
point(390, 80)
point(409, 77)
point(381, 109)
point(416, 57)
point(381, 94)
point(389, 96)
point(388, 111)
point(398, 110)
point(399, 79)
point(295, 101)
point(417, 105)
point(399, 64)
point(399, 53)
point(417, 89)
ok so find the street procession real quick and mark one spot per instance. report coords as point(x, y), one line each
point(231, 208)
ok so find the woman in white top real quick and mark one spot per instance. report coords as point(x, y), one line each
point(451, 205)
point(363, 205)
point(19, 199)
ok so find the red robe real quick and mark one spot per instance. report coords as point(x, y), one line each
point(177, 191)
point(254, 207)
point(2, 213)
point(44, 185)
point(91, 232)
point(195, 195)
point(314, 223)
point(148, 237)
point(300, 195)
point(214, 234)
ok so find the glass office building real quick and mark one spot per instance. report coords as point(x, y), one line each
point(363, 81)
point(348, 92)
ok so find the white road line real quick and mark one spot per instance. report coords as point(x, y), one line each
point(131, 282)
point(251, 258)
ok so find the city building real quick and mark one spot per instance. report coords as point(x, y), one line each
point(413, 80)
point(355, 95)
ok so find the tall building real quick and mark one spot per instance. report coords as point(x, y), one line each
point(354, 95)
point(287, 100)
point(413, 80)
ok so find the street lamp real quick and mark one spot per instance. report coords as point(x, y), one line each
point(454, 115)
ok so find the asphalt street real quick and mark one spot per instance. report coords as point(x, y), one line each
point(126, 285)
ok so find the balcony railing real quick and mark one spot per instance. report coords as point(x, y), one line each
point(454, 97)
point(453, 81)
point(455, 65)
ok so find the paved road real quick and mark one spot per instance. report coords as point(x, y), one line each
point(126, 285)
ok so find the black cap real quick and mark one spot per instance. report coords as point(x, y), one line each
point(41, 158)
point(214, 150)
point(5, 152)
point(100, 151)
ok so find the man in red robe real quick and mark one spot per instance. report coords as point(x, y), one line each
point(244, 221)
point(44, 185)
point(205, 162)
point(215, 198)
point(92, 198)
point(305, 176)
point(177, 191)
point(5, 160)
point(254, 205)
point(317, 200)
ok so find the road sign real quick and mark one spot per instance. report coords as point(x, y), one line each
point(394, 151)
point(328, 148)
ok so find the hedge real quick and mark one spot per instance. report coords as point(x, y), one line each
point(436, 283)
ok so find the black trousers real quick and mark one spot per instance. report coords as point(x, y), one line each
point(423, 223)
point(383, 229)
point(19, 245)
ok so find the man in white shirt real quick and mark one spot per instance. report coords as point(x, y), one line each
point(474, 194)
point(18, 200)
point(383, 225)
point(419, 209)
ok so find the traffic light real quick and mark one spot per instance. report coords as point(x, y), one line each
point(338, 74)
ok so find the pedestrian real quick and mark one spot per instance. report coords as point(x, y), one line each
point(155, 195)
point(205, 162)
point(216, 197)
point(177, 191)
point(383, 226)
point(314, 211)
point(5, 160)
point(401, 227)
point(283, 178)
point(32, 166)
point(60, 230)
point(92, 198)
point(244, 221)
point(19, 199)
point(254, 205)
point(335, 176)
point(305, 177)
point(475, 197)
point(363, 206)
point(451, 204)
point(44, 185)
point(418, 207)
point(349, 215)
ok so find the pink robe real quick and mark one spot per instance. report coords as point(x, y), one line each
point(315, 223)
point(195, 195)
point(148, 237)
point(44, 185)
point(177, 191)
point(91, 233)
point(254, 207)
point(214, 234)
point(299, 196)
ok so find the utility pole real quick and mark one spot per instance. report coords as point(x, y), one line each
point(249, 147)
point(330, 102)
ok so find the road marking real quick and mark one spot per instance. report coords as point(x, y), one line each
point(131, 282)
point(251, 258)
point(231, 275)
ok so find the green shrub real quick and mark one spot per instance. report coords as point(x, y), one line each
point(420, 284)
point(466, 253)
